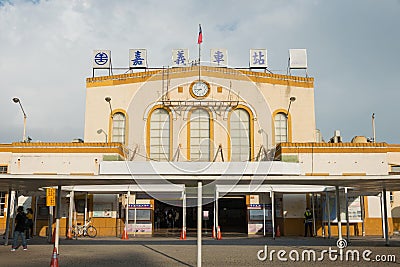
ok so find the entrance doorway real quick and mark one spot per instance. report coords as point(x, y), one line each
point(167, 216)
point(232, 214)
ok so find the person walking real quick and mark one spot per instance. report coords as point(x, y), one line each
point(19, 230)
point(308, 220)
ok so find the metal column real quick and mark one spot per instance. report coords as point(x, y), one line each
point(134, 219)
point(273, 213)
point(385, 216)
point(127, 211)
point(362, 215)
point(264, 219)
point(58, 216)
point(329, 215)
point(313, 215)
point(216, 212)
point(184, 211)
point(339, 221)
point(71, 213)
point(199, 220)
point(347, 215)
point(8, 217)
point(86, 207)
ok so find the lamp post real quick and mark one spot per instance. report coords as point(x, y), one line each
point(16, 100)
point(99, 131)
point(108, 99)
point(291, 99)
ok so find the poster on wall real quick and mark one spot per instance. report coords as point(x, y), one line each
point(354, 207)
point(140, 228)
point(257, 228)
point(102, 210)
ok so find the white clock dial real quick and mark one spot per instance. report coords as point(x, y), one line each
point(200, 89)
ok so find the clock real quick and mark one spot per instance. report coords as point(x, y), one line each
point(199, 89)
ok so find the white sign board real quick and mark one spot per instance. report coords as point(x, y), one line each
point(101, 59)
point(180, 57)
point(219, 57)
point(137, 58)
point(258, 58)
point(298, 58)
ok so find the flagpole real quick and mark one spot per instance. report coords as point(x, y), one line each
point(199, 41)
point(199, 62)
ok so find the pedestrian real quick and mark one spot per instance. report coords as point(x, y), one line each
point(29, 223)
point(19, 229)
point(308, 220)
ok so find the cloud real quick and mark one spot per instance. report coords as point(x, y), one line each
point(47, 46)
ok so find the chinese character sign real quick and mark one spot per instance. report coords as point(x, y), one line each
point(101, 59)
point(298, 58)
point(219, 57)
point(180, 57)
point(50, 196)
point(137, 58)
point(258, 58)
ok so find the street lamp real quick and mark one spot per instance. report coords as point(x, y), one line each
point(291, 99)
point(16, 100)
point(99, 131)
point(108, 99)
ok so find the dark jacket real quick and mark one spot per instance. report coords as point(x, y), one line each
point(20, 222)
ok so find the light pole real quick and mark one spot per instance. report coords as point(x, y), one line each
point(291, 99)
point(99, 131)
point(108, 99)
point(16, 100)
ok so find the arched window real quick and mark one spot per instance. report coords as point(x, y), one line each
point(240, 135)
point(200, 135)
point(281, 129)
point(118, 127)
point(160, 135)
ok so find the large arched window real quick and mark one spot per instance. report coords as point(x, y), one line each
point(200, 135)
point(240, 135)
point(160, 135)
point(281, 130)
point(118, 127)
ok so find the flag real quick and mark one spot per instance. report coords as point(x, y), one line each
point(200, 39)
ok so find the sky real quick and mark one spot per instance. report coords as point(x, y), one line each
point(46, 51)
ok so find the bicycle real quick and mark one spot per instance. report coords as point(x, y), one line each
point(84, 230)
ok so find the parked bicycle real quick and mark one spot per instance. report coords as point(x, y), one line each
point(84, 230)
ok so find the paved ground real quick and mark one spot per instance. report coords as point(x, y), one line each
point(170, 251)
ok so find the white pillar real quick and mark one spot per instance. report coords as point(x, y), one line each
point(50, 228)
point(264, 219)
point(339, 222)
point(8, 217)
point(199, 220)
point(216, 210)
point(347, 215)
point(71, 212)
point(362, 215)
point(329, 214)
point(184, 210)
point(86, 207)
point(14, 210)
point(273, 213)
point(134, 222)
point(58, 215)
point(127, 211)
point(385, 217)
point(313, 215)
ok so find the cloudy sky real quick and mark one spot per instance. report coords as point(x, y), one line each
point(46, 48)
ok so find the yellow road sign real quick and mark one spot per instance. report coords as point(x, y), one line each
point(50, 197)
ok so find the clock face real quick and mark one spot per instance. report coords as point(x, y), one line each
point(199, 89)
